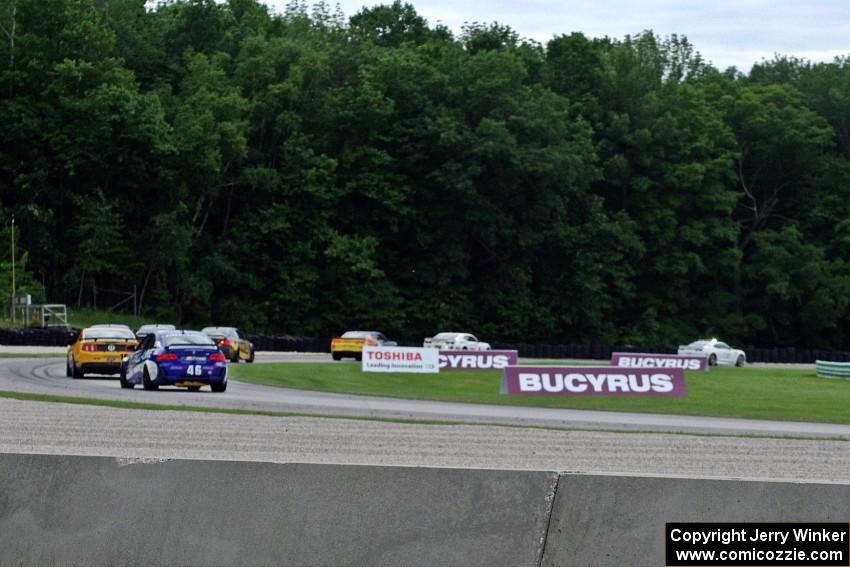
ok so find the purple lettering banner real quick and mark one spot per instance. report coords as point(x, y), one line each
point(643, 360)
point(477, 359)
point(592, 381)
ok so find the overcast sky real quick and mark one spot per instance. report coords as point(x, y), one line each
point(726, 32)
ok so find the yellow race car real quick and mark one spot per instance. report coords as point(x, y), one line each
point(351, 343)
point(100, 349)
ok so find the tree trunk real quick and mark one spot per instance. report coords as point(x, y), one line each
point(144, 288)
point(80, 294)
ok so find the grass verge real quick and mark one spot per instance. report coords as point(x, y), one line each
point(754, 393)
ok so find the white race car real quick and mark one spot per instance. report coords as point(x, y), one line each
point(716, 352)
point(455, 341)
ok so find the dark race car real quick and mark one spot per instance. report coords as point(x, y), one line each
point(234, 347)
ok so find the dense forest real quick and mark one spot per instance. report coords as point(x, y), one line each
point(308, 172)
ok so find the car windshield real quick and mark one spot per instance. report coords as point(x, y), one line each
point(355, 335)
point(698, 344)
point(219, 331)
point(102, 333)
point(151, 328)
point(445, 335)
point(186, 339)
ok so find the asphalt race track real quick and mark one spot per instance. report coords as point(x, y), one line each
point(47, 376)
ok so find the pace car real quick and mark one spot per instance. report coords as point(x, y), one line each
point(176, 358)
point(234, 347)
point(717, 352)
point(99, 349)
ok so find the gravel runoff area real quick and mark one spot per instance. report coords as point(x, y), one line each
point(57, 428)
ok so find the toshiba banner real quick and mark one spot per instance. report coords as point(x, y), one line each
point(642, 360)
point(592, 381)
point(400, 359)
point(477, 359)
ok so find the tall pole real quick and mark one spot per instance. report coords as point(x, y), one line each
point(13, 269)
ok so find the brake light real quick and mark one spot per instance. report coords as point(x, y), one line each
point(371, 342)
point(168, 356)
point(217, 357)
point(90, 348)
point(223, 342)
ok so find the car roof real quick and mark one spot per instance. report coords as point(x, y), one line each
point(179, 332)
point(108, 326)
point(205, 329)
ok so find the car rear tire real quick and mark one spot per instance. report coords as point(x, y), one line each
point(358, 356)
point(147, 383)
point(251, 356)
point(122, 378)
point(218, 386)
point(712, 360)
point(740, 361)
point(235, 358)
point(68, 371)
point(336, 356)
point(76, 373)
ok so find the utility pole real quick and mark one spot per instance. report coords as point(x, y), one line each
point(13, 269)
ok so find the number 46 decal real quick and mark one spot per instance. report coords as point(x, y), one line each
point(194, 370)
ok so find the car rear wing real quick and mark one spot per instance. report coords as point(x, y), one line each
point(341, 343)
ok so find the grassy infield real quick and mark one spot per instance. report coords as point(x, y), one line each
point(759, 393)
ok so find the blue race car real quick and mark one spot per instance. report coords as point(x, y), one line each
point(175, 358)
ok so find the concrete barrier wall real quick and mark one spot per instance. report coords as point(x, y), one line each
point(615, 520)
point(60, 510)
point(86, 511)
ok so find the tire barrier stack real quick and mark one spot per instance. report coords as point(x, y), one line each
point(38, 336)
point(580, 351)
point(289, 343)
point(82, 511)
point(828, 369)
